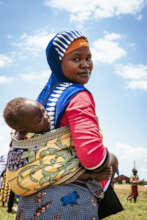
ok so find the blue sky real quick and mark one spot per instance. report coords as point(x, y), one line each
point(117, 35)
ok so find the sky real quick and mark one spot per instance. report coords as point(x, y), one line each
point(117, 35)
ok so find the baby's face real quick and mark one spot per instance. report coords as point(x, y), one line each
point(34, 118)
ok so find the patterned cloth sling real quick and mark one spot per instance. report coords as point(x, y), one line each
point(42, 160)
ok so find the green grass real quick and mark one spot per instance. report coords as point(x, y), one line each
point(4, 215)
point(133, 211)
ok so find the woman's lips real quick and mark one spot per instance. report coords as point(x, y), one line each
point(84, 74)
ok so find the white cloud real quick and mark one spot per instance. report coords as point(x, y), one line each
point(139, 18)
point(141, 84)
point(85, 9)
point(127, 154)
point(107, 50)
point(136, 75)
point(131, 71)
point(9, 36)
point(33, 44)
point(112, 36)
point(40, 78)
point(4, 60)
point(4, 136)
point(132, 45)
point(37, 77)
point(6, 79)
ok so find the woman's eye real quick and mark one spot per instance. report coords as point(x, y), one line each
point(76, 59)
point(88, 58)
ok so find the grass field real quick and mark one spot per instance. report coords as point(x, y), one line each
point(132, 211)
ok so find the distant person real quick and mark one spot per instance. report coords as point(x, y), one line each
point(134, 180)
point(11, 201)
point(4, 190)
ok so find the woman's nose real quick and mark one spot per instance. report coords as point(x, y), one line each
point(84, 64)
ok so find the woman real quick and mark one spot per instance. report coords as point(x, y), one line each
point(69, 103)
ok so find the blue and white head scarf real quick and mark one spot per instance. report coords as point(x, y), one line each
point(55, 52)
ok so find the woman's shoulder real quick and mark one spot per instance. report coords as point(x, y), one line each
point(74, 94)
point(84, 97)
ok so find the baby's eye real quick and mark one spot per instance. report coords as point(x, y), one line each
point(39, 119)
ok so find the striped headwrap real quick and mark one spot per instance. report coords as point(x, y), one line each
point(55, 52)
point(63, 40)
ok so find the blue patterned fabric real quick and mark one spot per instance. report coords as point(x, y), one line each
point(61, 202)
point(58, 100)
point(70, 199)
point(55, 52)
point(68, 94)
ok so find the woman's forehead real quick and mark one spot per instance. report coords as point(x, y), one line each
point(79, 52)
point(78, 43)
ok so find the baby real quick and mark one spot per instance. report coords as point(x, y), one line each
point(26, 115)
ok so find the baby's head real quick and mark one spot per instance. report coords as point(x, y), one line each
point(26, 115)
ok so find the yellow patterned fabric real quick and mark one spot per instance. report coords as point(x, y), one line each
point(54, 163)
point(4, 190)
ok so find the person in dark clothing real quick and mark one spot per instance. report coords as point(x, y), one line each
point(11, 201)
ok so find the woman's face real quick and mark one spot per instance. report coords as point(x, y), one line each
point(77, 65)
